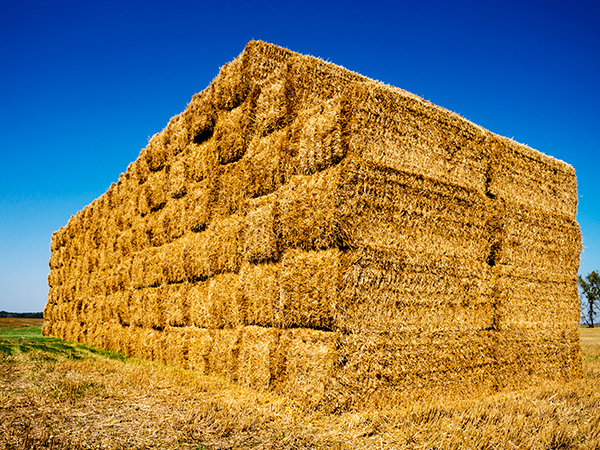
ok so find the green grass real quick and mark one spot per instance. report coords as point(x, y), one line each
point(15, 341)
point(29, 332)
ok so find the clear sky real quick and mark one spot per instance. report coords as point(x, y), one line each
point(84, 84)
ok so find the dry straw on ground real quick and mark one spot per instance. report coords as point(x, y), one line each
point(304, 229)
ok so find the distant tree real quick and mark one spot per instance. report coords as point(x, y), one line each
point(590, 297)
point(28, 315)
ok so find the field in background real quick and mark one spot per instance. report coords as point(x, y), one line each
point(56, 394)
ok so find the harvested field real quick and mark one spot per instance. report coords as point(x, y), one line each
point(308, 231)
point(62, 395)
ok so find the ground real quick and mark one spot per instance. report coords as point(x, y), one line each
point(56, 394)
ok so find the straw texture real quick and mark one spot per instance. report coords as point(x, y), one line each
point(303, 229)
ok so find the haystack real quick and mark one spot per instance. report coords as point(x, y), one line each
point(303, 229)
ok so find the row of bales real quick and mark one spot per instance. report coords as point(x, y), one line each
point(303, 229)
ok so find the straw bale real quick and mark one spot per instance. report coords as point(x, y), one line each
point(124, 244)
point(200, 342)
point(539, 240)
point(223, 357)
point(232, 188)
point(199, 204)
point(54, 277)
point(306, 211)
point(231, 134)
point(146, 268)
point(261, 60)
point(201, 161)
point(54, 295)
point(528, 356)
point(317, 137)
point(128, 339)
point(381, 291)
point(104, 305)
point(145, 344)
point(216, 250)
point(176, 135)
point(113, 200)
point(139, 170)
point(260, 241)
point(87, 308)
point(257, 356)
point(306, 361)
point(154, 311)
point(418, 137)
point(172, 260)
point(124, 219)
point(92, 238)
point(128, 334)
point(531, 178)
point(144, 194)
point(112, 339)
point(158, 346)
point(421, 362)
point(89, 262)
point(104, 257)
point(96, 335)
point(309, 288)
point(50, 316)
point(48, 325)
point(267, 163)
point(139, 236)
point(195, 259)
point(76, 309)
point(58, 329)
point(58, 239)
point(137, 306)
point(68, 330)
point(122, 307)
point(79, 332)
point(198, 300)
point(215, 303)
point(229, 88)
point(176, 346)
point(259, 289)
point(391, 209)
point(177, 305)
point(177, 178)
point(536, 300)
point(272, 104)
point(154, 193)
point(200, 117)
point(156, 152)
point(173, 220)
point(59, 311)
point(97, 285)
point(223, 245)
point(130, 210)
point(57, 258)
point(122, 274)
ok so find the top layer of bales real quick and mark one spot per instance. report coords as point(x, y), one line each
point(392, 142)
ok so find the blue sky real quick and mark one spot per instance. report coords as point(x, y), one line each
point(84, 84)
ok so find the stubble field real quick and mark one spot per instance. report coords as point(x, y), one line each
point(56, 394)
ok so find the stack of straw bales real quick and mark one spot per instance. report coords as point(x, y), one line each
point(303, 229)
